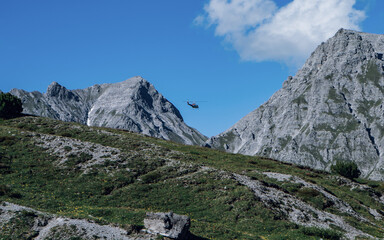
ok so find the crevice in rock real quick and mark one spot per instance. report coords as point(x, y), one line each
point(372, 139)
point(348, 104)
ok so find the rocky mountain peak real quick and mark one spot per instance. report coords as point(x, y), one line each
point(55, 90)
point(133, 104)
point(347, 51)
point(331, 110)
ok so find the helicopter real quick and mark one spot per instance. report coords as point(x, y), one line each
point(193, 105)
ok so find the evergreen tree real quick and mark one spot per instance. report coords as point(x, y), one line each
point(346, 169)
point(10, 106)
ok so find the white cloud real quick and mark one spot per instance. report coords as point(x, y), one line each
point(259, 30)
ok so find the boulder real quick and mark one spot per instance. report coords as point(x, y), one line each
point(168, 224)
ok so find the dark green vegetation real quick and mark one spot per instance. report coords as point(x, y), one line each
point(10, 106)
point(20, 226)
point(333, 95)
point(144, 179)
point(346, 169)
point(371, 74)
point(300, 100)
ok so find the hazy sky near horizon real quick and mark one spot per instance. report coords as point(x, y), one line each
point(231, 55)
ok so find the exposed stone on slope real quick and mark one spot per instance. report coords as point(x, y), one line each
point(332, 110)
point(168, 224)
point(133, 105)
point(48, 226)
point(296, 210)
point(337, 202)
point(64, 148)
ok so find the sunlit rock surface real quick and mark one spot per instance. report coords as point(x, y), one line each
point(133, 105)
point(332, 110)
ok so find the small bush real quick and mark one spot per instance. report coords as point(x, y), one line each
point(4, 190)
point(323, 233)
point(66, 134)
point(7, 140)
point(151, 177)
point(75, 159)
point(67, 148)
point(346, 169)
point(308, 192)
point(10, 106)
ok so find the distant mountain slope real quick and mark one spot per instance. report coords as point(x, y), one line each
point(332, 110)
point(133, 105)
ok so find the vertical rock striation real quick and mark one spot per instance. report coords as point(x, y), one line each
point(332, 110)
point(133, 105)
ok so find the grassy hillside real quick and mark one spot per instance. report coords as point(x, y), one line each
point(115, 176)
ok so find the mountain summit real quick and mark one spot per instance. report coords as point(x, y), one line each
point(332, 110)
point(133, 105)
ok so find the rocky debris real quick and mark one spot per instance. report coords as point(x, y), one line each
point(295, 210)
point(66, 148)
point(331, 110)
point(378, 216)
point(38, 225)
point(133, 105)
point(167, 224)
point(338, 203)
point(342, 181)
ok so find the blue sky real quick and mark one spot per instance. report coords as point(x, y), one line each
point(226, 54)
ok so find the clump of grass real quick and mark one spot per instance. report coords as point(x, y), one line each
point(7, 191)
point(314, 197)
point(78, 158)
point(151, 177)
point(292, 187)
point(20, 226)
point(67, 148)
point(322, 233)
point(7, 140)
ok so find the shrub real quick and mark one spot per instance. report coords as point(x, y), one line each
point(67, 148)
point(7, 140)
point(346, 169)
point(151, 177)
point(4, 190)
point(323, 233)
point(10, 106)
point(75, 158)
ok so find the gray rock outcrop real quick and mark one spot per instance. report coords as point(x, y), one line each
point(332, 110)
point(168, 225)
point(38, 225)
point(133, 105)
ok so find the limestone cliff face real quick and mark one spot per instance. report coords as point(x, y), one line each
point(133, 105)
point(332, 110)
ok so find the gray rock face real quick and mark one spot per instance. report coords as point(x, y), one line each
point(168, 224)
point(332, 110)
point(39, 226)
point(133, 105)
